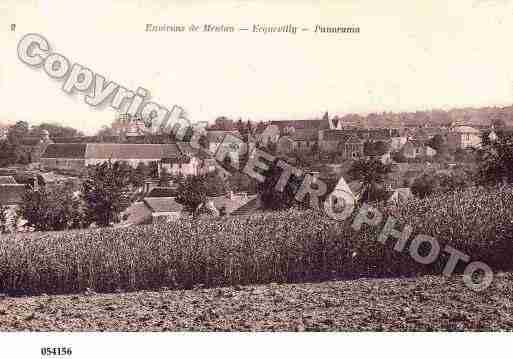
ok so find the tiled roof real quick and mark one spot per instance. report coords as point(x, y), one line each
point(163, 192)
point(217, 136)
point(7, 180)
point(174, 151)
point(305, 135)
point(336, 135)
point(11, 193)
point(465, 129)
point(232, 204)
point(30, 141)
point(248, 208)
point(65, 150)
point(163, 204)
point(131, 151)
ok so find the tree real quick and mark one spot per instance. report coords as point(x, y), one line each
point(55, 130)
point(496, 161)
point(51, 209)
point(105, 133)
point(140, 174)
point(4, 219)
point(165, 178)
point(439, 143)
point(7, 156)
point(106, 192)
point(424, 186)
point(243, 130)
point(216, 184)
point(498, 123)
point(17, 131)
point(192, 192)
point(372, 173)
point(241, 182)
point(273, 199)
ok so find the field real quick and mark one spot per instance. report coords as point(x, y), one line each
point(415, 304)
point(282, 247)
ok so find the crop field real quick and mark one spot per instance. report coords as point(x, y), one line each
point(281, 247)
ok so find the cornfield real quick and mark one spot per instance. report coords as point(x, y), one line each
point(288, 246)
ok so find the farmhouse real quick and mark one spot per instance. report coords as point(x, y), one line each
point(176, 158)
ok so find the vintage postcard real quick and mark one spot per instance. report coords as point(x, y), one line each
point(252, 166)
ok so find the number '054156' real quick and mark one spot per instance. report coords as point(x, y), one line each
point(61, 351)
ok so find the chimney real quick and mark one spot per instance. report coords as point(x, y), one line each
point(229, 195)
point(244, 195)
point(36, 183)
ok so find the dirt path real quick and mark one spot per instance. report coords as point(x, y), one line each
point(426, 303)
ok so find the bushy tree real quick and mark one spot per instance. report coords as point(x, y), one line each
point(271, 198)
point(496, 161)
point(372, 173)
point(191, 192)
point(140, 174)
point(4, 219)
point(51, 209)
point(106, 192)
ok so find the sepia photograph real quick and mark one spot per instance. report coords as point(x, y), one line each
point(279, 178)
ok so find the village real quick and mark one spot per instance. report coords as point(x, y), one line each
point(326, 147)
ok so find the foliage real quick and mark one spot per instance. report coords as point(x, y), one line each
point(372, 173)
point(439, 143)
point(496, 161)
point(270, 197)
point(192, 192)
point(55, 130)
point(429, 184)
point(51, 209)
point(241, 182)
point(376, 148)
point(4, 219)
point(106, 192)
point(140, 174)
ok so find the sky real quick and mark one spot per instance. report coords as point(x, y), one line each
point(409, 55)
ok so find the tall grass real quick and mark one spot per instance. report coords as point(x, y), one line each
point(290, 246)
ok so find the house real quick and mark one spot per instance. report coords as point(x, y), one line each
point(305, 140)
point(397, 142)
point(176, 158)
point(11, 194)
point(321, 124)
point(229, 142)
point(400, 195)
point(302, 140)
point(417, 149)
point(231, 202)
point(216, 137)
point(461, 137)
point(378, 150)
point(7, 180)
point(338, 196)
point(151, 210)
point(353, 148)
point(248, 208)
point(349, 144)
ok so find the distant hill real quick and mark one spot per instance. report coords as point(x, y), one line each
point(478, 117)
